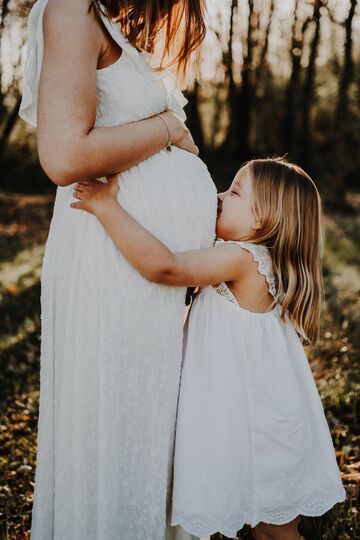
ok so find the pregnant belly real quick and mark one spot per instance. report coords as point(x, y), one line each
point(171, 194)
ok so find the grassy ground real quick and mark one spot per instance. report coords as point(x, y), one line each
point(24, 222)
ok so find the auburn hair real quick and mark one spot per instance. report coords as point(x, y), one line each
point(288, 207)
point(141, 21)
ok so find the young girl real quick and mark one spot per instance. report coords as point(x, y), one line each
point(252, 441)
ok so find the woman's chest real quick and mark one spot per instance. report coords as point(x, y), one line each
point(124, 94)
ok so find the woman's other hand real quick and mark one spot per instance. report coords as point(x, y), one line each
point(180, 135)
point(94, 196)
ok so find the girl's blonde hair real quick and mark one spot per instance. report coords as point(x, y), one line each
point(287, 205)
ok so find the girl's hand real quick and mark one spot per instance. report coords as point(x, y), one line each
point(95, 196)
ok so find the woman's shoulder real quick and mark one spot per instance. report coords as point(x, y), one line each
point(66, 27)
point(66, 7)
point(68, 16)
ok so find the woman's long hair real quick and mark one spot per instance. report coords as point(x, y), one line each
point(287, 206)
point(142, 21)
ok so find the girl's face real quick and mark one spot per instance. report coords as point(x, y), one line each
point(236, 219)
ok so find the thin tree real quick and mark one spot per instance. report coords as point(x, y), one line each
point(242, 101)
point(227, 65)
point(4, 10)
point(193, 114)
point(233, 93)
point(343, 141)
point(262, 63)
point(308, 94)
point(10, 98)
point(342, 106)
point(288, 124)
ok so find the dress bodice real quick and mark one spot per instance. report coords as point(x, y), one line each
point(116, 105)
point(151, 92)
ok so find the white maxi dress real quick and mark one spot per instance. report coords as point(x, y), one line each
point(111, 342)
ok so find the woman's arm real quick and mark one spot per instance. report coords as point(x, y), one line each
point(150, 256)
point(70, 148)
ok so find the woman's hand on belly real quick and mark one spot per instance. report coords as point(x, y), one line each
point(180, 134)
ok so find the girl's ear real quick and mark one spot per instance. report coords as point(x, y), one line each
point(256, 226)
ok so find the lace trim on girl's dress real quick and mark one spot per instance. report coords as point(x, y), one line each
point(309, 505)
point(262, 257)
point(224, 290)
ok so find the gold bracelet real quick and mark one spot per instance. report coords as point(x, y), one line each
point(168, 144)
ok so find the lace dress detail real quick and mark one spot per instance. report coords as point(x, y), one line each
point(224, 291)
point(111, 341)
point(262, 257)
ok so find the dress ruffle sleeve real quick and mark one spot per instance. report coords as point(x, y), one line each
point(34, 56)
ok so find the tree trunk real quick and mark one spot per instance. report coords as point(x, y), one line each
point(242, 101)
point(309, 88)
point(344, 142)
point(4, 10)
point(9, 125)
point(261, 68)
point(215, 127)
point(194, 121)
point(228, 64)
point(347, 72)
point(288, 124)
point(233, 91)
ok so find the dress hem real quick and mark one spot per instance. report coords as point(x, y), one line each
point(265, 518)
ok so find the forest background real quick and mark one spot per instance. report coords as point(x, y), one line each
point(275, 77)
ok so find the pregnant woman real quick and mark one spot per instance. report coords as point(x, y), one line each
point(111, 341)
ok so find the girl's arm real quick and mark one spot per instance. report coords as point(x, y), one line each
point(70, 148)
point(150, 256)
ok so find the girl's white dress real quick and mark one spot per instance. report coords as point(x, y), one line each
point(252, 441)
point(111, 342)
